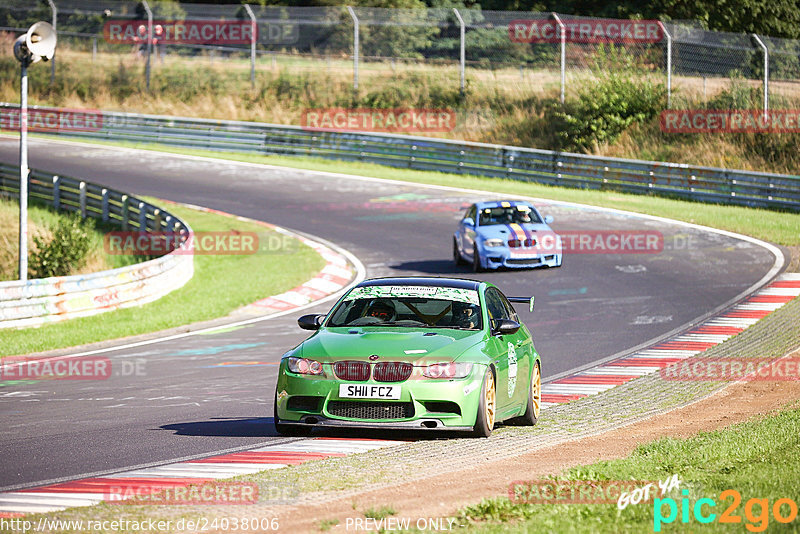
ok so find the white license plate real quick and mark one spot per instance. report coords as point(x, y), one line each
point(368, 391)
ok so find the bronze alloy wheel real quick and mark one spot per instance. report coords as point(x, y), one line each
point(536, 391)
point(490, 400)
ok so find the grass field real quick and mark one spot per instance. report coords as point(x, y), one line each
point(506, 105)
point(757, 459)
point(220, 285)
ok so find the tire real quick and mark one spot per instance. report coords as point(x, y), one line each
point(487, 407)
point(457, 259)
point(476, 261)
point(534, 406)
point(288, 430)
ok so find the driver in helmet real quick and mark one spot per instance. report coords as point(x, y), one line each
point(381, 309)
point(465, 315)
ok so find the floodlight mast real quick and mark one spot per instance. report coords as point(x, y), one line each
point(39, 43)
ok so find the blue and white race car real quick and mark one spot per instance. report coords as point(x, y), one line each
point(506, 234)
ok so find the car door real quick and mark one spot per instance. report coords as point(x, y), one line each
point(520, 355)
point(499, 346)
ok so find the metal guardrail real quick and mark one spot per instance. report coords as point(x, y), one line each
point(38, 301)
point(707, 184)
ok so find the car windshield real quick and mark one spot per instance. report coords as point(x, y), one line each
point(515, 214)
point(411, 307)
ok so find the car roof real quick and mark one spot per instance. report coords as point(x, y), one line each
point(501, 203)
point(423, 281)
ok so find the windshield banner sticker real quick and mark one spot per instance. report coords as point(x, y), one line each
point(469, 296)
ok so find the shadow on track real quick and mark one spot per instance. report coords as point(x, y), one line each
point(263, 427)
point(252, 427)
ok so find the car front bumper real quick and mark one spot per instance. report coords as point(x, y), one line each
point(496, 258)
point(423, 404)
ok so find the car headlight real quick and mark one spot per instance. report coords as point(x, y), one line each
point(447, 370)
point(304, 366)
point(492, 243)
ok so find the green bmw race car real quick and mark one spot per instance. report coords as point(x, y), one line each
point(412, 353)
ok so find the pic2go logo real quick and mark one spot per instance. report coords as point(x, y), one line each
point(756, 522)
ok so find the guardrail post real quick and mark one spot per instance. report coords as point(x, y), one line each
point(56, 192)
point(157, 220)
point(253, 32)
point(563, 32)
point(125, 212)
point(355, 47)
point(104, 204)
point(82, 199)
point(669, 66)
point(766, 73)
point(54, 11)
point(142, 218)
point(149, 42)
point(463, 55)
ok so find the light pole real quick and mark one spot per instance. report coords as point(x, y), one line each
point(37, 44)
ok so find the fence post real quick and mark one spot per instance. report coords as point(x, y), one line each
point(94, 48)
point(463, 48)
point(563, 53)
point(766, 73)
point(355, 47)
point(142, 217)
point(149, 42)
point(82, 199)
point(56, 192)
point(253, 32)
point(54, 11)
point(104, 205)
point(669, 64)
point(124, 214)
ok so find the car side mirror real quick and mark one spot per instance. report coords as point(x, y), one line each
point(310, 322)
point(503, 327)
point(548, 219)
point(469, 222)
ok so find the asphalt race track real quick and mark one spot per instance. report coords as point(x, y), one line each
point(193, 396)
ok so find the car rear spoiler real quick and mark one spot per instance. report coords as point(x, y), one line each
point(527, 300)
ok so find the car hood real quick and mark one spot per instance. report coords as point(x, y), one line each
point(419, 347)
point(503, 231)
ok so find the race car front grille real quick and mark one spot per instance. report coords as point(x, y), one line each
point(392, 371)
point(371, 410)
point(524, 261)
point(352, 371)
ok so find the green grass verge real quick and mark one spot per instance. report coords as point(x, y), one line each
point(221, 283)
point(757, 458)
point(41, 219)
point(778, 227)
